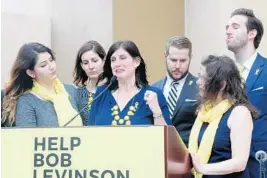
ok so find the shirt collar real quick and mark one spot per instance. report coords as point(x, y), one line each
point(248, 63)
point(170, 80)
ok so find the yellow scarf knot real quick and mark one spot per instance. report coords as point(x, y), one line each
point(60, 99)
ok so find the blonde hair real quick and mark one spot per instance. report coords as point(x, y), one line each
point(9, 107)
point(179, 42)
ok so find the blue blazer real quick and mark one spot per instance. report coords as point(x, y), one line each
point(185, 112)
point(256, 86)
point(101, 113)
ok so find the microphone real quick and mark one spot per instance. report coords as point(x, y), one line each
point(261, 156)
point(112, 80)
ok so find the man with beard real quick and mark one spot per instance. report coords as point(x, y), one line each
point(244, 32)
point(179, 86)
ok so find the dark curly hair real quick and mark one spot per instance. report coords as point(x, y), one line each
point(221, 69)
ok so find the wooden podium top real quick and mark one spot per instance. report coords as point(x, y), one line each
point(178, 161)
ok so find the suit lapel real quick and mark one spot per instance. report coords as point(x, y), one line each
point(254, 72)
point(189, 83)
point(162, 84)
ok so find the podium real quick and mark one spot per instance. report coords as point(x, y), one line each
point(92, 152)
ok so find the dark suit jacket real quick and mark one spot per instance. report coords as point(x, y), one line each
point(2, 98)
point(256, 86)
point(185, 112)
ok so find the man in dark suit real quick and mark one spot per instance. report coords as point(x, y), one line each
point(179, 86)
point(244, 32)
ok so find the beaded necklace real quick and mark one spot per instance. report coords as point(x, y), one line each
point(91, 95)
point(117, 120)
point(90, 99)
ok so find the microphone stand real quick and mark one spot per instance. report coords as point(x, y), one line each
point(261, 157)
point(113, 79)
point(262, 169)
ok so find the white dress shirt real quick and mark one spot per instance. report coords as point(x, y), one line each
point(248, 64)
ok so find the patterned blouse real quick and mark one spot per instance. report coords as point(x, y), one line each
point(84, 97)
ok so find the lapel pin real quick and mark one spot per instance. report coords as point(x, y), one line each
point(190, 82)
point(257, 71)
point(136, 104)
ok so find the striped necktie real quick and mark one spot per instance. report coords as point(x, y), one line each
point(173, 97)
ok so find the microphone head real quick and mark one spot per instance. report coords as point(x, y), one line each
point(113, 79)
point(261, 156)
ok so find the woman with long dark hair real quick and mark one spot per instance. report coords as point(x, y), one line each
point(221, 135)
point(34, 96)
point(129, 100)
point(88, 67)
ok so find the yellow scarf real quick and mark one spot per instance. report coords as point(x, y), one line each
point(62, 105)
point(211, 115)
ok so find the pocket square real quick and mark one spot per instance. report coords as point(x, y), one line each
point(259, 88)
point(190, 100)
